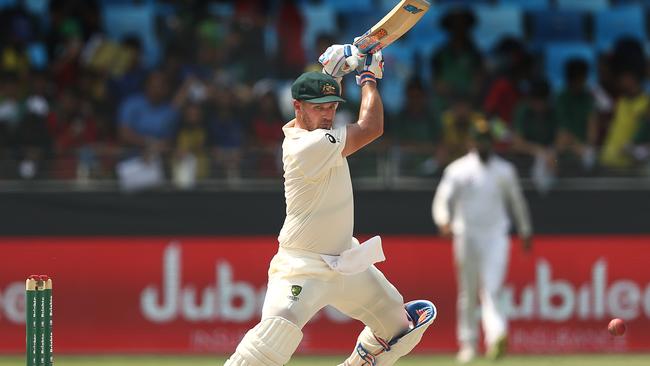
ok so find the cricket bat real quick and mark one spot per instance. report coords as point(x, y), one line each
point(397, 22)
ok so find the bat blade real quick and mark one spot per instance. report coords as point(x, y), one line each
point(392, 26)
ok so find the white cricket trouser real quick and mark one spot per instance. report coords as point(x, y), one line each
point(366, 296)
point(481, 263)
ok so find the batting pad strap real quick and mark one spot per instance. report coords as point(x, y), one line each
point(269, 343)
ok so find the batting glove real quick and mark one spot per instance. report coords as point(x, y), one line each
point(371, 68)
point(339, 60)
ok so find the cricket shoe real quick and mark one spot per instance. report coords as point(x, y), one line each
point(498, 349)
point(466, 354)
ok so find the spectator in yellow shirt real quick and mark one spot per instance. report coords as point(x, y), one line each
point(628, 111)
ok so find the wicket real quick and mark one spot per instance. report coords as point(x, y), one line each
point(38, 306)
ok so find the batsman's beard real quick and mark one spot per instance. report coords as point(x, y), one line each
point(322, 124)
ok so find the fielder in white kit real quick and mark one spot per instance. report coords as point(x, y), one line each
point(319, 263)
point(471, 203)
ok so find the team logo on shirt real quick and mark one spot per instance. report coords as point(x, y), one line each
point(330, 137)
point(295, 291)
point(328, 89)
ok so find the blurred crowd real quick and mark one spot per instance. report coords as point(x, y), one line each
point(76, 102)
point(581, 129)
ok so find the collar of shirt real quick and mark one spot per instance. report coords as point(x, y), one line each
point(477, 159)
point(290, 130)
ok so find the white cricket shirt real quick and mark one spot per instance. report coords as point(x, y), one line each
point(317, 190)
point(474, 197)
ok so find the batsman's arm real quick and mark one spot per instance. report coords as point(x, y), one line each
point(371, 120)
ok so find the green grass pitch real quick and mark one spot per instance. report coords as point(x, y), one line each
point(437, 360)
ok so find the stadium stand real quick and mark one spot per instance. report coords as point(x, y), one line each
point(90, 56)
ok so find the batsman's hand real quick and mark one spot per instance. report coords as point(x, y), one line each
point(339, 60)
point(374, 64)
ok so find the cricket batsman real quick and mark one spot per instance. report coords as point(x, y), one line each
point(472, 203)
point(319, 262)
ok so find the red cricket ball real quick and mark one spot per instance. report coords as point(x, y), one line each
point(616, 327)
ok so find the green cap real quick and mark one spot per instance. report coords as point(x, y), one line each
point(316, 87)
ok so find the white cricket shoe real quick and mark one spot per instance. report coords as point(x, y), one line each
point(498, 349)
point(466, 354)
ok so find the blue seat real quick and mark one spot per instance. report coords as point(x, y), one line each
point(429, 23)
point(139, 20)
point(645, 3)
point(318, 19)
point(392, 93)
point(428, 32)
point(399, 59)
point(38, 8)
point(583, 5)
point(426, 37)
point(7, 3)
point(221, 9)
point(347, 6)
point(352, 25)
point(37, 54)
point(386, 5)
point(618, 22)
point(556, 56)
point(496, 22)
point(527, 4)
point(407, 59)
point(125, 2)
point(462, 2)
point(551, 25)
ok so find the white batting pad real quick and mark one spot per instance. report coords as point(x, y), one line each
point(269, 343)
